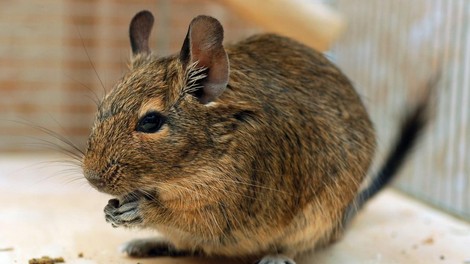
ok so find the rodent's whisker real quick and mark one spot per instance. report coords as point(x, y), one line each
point(91, 62)
point(76, 179)
point(254, 185)
point(150, 196)
point(66, 147)
point(198, 194)
point(61, 138)
point(64, 175)
point(220, 190)
point(53, 146)
point(96, 100)
point(63, 162)
point(178, 187)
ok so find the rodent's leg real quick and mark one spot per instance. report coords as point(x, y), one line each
point(153, 247)
point(125, 213)
point(276, 259)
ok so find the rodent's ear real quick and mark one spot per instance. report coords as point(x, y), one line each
point(139, 32)
point(203, 45)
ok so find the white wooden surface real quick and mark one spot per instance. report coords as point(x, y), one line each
point(46, 212)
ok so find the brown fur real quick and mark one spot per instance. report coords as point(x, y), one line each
point(268, 167)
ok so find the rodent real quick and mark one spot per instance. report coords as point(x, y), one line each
point(256, 149)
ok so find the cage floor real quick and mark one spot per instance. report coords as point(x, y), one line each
point(48, 210)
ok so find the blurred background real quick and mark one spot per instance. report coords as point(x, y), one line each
point(56, 57)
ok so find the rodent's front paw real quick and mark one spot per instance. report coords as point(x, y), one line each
point(125, 213)
point(276, 259)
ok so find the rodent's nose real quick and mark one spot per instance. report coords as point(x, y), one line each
point(95, 180)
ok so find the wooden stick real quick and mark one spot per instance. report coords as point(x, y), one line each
point(307, 21)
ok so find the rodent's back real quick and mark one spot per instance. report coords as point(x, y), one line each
point(296, 89)
point(308, 133)
point(293, 81)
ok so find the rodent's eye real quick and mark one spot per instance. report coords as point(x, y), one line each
point(150, 123)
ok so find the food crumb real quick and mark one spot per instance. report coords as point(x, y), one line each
point(428, 241)
point(46, 260)
point(7, 249)
point(80, 254)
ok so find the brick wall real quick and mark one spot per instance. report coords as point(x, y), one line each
point(30, 56)
point(57, 56)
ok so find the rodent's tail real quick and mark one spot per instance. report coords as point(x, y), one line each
point(410, 131)
point(413, 125)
